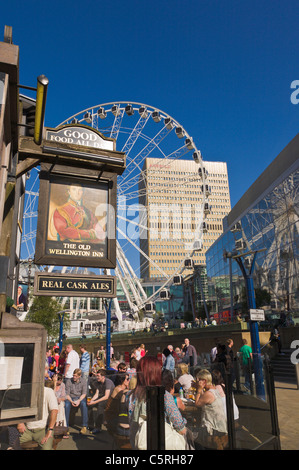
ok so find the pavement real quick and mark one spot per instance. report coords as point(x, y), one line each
point(77, 441)
point(287, 399)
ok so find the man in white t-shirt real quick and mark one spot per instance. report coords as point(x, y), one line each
point(213, 352)
point(36, 430)
point(72, 362)
point(138, 353)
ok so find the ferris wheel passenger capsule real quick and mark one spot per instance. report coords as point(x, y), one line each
point(168, 123)
point(204, 227)
point(240, 244)
point(197, 156)
point(143, 112)
point(115, 110)
point(165, 294)
point(207, 208)
point(236, 228)
point(129, 110)
point(202, 171)
point(179, 132)
point(156, 116)
point(74, 121)
point(177, 280)
point(206, 188)
point(197, 245)
point(150, 307)
point(102, 113)
point(88, 117)
point(189, 143)
point(189, 263)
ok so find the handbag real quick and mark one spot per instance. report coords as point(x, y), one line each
point(173, 440)
point(60, 430)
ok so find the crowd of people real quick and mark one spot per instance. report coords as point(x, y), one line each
point(115, 396)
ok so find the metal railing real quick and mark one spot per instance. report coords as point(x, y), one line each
point(257, 425)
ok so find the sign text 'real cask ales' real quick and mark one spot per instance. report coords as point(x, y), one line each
point(74, 285)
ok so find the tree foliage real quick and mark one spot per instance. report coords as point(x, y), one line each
point(262, 298)
point(44, 310)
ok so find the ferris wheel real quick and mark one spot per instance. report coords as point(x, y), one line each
point(154, 143)
point(272, 226)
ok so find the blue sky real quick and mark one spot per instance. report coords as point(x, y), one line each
point(222, 68)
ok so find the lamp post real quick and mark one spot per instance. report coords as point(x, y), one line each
point(254, 332)
point(41, 96)
point(229, 255)
point(61, 318)
point(108, 333)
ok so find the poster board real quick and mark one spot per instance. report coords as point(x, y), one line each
point(22, 367)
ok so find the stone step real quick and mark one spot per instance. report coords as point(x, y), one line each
point(283, 369)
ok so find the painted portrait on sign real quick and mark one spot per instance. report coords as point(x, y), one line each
point(77, 220)
point(81, 217)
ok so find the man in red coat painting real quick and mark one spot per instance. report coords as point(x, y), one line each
point(75, 222)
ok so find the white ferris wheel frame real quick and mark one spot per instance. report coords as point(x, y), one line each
point(132, 288)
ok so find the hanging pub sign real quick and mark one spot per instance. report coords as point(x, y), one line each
point(77, 197)
point(76, 218)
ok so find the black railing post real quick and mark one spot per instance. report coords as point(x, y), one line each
point(252, 391)
point(155, 417)
point(297, 375)
point(272, 401)
point(230, 411)
point(237, 366)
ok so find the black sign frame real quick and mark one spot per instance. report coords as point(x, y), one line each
point(90, 252)
point(74, 285)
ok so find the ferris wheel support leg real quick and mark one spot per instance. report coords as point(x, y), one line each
point(117, 310)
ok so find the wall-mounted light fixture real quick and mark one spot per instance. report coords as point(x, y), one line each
point(41, 96)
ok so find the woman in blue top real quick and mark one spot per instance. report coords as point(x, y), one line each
point(169, 363)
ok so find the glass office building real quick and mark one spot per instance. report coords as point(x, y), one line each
point(265, 222)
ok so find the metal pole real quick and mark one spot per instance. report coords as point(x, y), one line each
point(61, 318)
point(255, 341)
point(155, 417)
point(108, 333)
point(297, 375)
point(272, 402)
point(254, 332)
point(231, 289)
point(230, 411)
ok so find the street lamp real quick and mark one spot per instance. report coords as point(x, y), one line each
point(41, 95)
point(108, 332)
point(61, 318)
point(254, 333)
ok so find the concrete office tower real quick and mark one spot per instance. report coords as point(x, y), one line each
point(171, 193)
